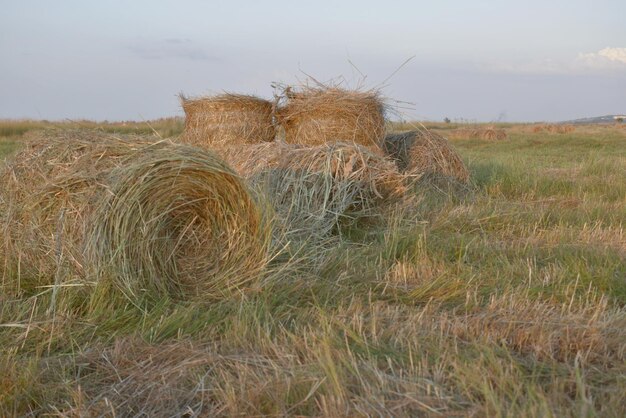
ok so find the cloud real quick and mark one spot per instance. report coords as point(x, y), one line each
point(605, 59)
point(169, 48)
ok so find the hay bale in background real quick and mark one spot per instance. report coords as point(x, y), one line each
point(316, 115)
point(426, 152)
point(553, 128)
point(149, 214)
point(490, 133)
point(314, 189)
point(227, 118)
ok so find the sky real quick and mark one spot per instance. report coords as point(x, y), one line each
point(467, 60)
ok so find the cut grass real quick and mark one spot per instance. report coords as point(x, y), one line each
point(507, 298)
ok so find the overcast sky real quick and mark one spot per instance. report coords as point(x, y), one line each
point(477, 60)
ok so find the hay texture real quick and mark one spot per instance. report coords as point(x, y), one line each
point(314, 189)
point(317, 115)
point(489, 133)
point(143, 214)
point(227, 118)
point(553, 129)
point(425, 152)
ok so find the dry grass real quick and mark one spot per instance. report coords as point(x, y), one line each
point(425, 152)
point(316, 115)
point(488, 133)
point(315, 188)
point(151, 215)
point(509, 301)
point(227, 118)
point(553, 129)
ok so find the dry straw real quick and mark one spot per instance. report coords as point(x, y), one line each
point(425, 152)
point(315, 188)
point(227, 118)
point(554, 129)
point(316, 115)
point(148, 214)
point(488, 133)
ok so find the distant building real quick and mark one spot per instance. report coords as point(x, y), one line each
point(619, 118)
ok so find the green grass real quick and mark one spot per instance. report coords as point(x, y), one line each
point(504, 299)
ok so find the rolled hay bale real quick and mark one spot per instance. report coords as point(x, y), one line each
point(316, 115)
point(227, 118)
point(553, 128)
point(315, 189)
point(561, 129)
point(490, 133)
point(425, 152)
point(143, 214)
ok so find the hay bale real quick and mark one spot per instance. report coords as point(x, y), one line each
point(490, 133)
point(553, 128)
point(314, 116)
point(425, 152)
point(227, 118)
point(148, 214)
point(315, 189)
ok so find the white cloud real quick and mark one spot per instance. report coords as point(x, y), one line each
point(614, 54)
point(605, 59)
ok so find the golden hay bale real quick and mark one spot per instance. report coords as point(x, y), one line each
point(149, 214)
point(425, 152)
point(553, 128)
point(489, 133)
point(314, 116)
point(227, 118)
point(315, 188)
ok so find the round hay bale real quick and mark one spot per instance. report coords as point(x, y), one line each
point(227, 118)
point(561, 129)
point(148, 215)
point(316, 188)
point(314, 116)
point(554, 128)
point(425, 152)
point(491, 133)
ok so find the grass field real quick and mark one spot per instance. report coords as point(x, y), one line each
point(504, 299)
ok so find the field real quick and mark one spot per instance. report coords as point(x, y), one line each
point(504, 298)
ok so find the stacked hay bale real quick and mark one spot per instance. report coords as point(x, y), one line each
point(316, 188)
point(227, 118)
point(425, 152)
point(317, 115)
point(138, 213)
point(332, 163)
